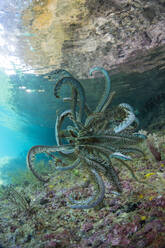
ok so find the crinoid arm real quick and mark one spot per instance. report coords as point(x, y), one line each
point(82, 202)
point(59, 120)
point(128, 120)
point(131, 171)
point(105, 166)
point(78, 87)
point(41, 149)
point(131, 150)
point(69, 167)
point(92, 201)
point(120, 156)
point(58, 125)
point(107, 87)
point(87, 109)
point(140, 136)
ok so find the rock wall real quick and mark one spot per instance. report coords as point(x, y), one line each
point(78, 34)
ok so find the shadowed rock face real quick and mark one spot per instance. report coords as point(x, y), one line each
point(78, 34)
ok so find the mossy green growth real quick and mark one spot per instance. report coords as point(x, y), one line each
point(76, 172)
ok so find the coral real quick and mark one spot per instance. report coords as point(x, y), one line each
point(152, 143)
point(93, 140)
point(154, 151)
point(134, 219)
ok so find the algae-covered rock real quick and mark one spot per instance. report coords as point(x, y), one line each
point(79, 34)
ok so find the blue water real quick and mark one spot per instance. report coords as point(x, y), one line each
point(28, 115)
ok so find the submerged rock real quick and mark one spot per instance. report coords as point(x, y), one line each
point(77, 35)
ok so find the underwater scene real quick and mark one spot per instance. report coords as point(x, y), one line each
point(82, 123)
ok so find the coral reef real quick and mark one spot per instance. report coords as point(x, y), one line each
point(132, 219)
point(39, 216)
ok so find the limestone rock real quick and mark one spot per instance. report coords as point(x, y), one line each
point(78, 34)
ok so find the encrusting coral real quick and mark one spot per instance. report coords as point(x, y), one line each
point(93, 139)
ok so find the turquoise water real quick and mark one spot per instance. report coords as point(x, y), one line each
point(28, 107)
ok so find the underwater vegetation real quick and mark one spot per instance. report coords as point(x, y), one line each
point(20, 200)
point(93, 141)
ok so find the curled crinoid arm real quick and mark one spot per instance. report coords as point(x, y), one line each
point(78, 87)
point(131, 150)
point(92, 119)
point(134, 126)
point(82, 202)
point(93, 201)
point(85, 201)
point(59, 121)
point(131, 171)
point(121, 156)
point(106, 94)
point(74, 103)
point(106, 105)
point(87, 109)
point(94, 163)
point(73, 132)
point(128, 120)
point(41, 149)
point(59, 75)
point(110, 173)
point(69, 167)
point(100, 117)
point(141, 136)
